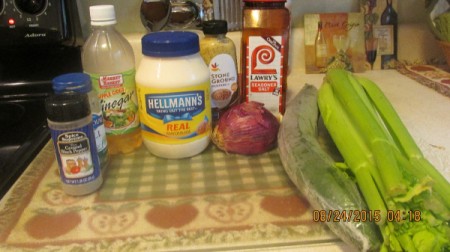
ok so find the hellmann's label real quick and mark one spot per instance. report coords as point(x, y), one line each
point(174, 116)
point(264, 79)
point(117, 95)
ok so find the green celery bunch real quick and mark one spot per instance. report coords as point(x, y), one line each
point(396, 180)
point(442, 23)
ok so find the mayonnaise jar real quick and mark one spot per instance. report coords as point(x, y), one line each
point(173, 89)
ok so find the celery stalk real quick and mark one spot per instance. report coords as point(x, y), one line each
point(355, 154)
point(391, 119)
point(370, 130)
point(361, 122)
point(403, 138)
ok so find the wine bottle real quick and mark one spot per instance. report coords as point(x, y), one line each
point(389, 17)
point(321, 47)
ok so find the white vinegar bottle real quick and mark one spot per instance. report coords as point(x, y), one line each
point(109, 60)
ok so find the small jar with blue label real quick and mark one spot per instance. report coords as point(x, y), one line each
point(81, 83)
point(173, 88)
point(70, 122)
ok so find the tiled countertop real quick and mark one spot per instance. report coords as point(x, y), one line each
point(211, 201)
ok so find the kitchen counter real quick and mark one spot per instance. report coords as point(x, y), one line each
point(214, 201)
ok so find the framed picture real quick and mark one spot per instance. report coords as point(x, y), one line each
point(380, 19)
point(334, 40)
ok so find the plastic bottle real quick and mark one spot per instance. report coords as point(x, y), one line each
point(219, 53)
point(72, 131)
point(174, 95)
point(109, 60)
point(265, 50)
point(81, 83)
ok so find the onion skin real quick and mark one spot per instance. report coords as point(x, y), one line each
point(247, 128)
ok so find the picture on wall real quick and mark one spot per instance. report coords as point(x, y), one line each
point(381, 25)
point(334, 40)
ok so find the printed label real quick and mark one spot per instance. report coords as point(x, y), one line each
point(76, 155)
point(175, 116)
point(264, 76)
point(321, 50)
point(100, 138)
point(223, 77)
point(111, 81)
point(99, 132)
point(118, 101)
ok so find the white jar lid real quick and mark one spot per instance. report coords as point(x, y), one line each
point(102, 15)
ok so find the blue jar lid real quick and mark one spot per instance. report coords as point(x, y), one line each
point(72, 82)
point(170, 44)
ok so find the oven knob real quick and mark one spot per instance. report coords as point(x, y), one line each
point(31, 6)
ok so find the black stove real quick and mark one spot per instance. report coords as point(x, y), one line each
point(39, 40)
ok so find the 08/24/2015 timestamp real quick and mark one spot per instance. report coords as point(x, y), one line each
point(366, 216)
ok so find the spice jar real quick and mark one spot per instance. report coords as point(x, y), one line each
point(265, 50)
point(81, 83)
point(174, 95)
point(219, 53)
point(72, 131)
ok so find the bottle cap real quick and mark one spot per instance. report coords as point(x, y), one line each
point(102, 15)
point(72, 82)
point(67, 107)
point(215, 27)
point(170, 44)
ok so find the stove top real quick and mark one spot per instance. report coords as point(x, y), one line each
point(39, 40)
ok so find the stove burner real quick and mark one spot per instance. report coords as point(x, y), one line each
point(10, 114)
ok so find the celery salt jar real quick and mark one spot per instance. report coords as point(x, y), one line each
point(173, 91)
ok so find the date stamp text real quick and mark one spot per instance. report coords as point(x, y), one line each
point(366, 216)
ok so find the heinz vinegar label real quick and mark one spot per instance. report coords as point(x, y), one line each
point(264, 76)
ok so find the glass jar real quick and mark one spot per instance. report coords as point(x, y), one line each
point(72, 131)
point(81, 83)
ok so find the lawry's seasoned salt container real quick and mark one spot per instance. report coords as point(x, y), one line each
point(173, 89)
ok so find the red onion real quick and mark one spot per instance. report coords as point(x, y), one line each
point(247, 128)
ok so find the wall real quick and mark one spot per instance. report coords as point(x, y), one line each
point(410, 11)
point(412, 19)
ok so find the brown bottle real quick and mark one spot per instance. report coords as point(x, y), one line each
point(265, 49)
